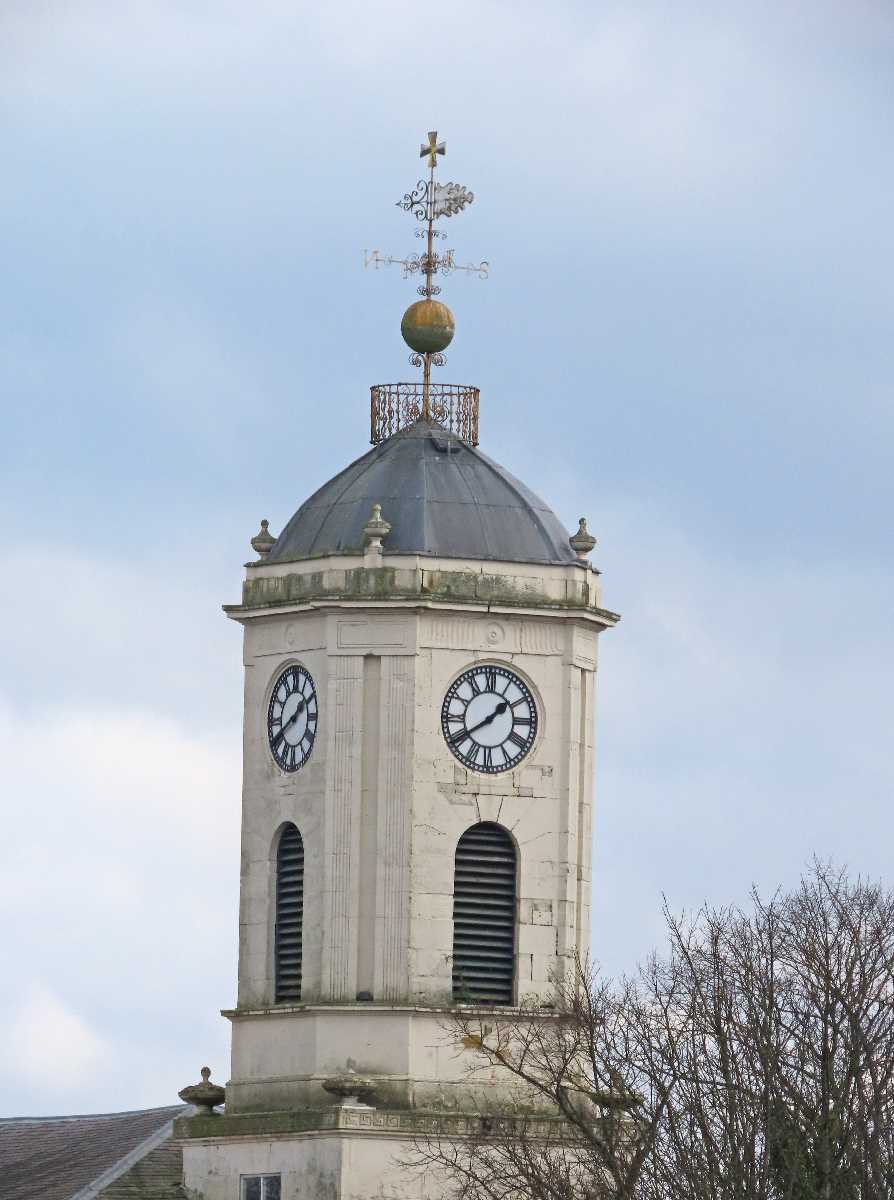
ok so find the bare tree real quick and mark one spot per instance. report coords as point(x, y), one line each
point(753, 1060)
point(589, 1098)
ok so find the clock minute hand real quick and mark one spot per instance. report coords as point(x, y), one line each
point(501, 708)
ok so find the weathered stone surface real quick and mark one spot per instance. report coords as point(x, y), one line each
point(558, 587)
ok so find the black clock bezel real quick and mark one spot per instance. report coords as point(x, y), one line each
point(311, 733)
point(486, 766)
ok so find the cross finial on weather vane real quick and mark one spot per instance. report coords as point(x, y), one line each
point(433, 148)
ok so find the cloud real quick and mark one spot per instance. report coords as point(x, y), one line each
point(118, 635)
point(123, 810)
point(48, 1045)
point(118, 889)
point(661, 96)
point(742, 723)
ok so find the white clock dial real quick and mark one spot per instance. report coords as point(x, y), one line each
point(292, 718)
point(489, 719)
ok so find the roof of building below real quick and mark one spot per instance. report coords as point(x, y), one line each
point(56, 1158)
point(441, 496)
point(158, 1176)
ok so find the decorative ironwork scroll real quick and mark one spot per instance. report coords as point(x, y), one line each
point(427, 264)
point(394, 406)
point(429, 200)
point(448, 199)
point(416, 202)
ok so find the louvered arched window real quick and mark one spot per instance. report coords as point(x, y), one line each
point(289, 914)
point(484, 916)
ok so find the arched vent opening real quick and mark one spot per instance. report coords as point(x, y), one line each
point(484, 916)
point(289, 914)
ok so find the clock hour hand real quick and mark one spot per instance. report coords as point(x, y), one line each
point(501, 708)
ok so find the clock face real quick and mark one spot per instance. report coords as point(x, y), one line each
point(292, 718)
point(489, 719)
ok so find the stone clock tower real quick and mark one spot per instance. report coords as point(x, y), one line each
point(420, 648)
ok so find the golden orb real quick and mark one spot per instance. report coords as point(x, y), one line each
point(427, 326)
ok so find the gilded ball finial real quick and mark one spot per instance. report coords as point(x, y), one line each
point(427, 326)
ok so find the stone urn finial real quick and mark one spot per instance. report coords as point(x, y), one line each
point(583, 541)
point(205, 1095)
point(375, 529)
point(263, 541)
point(350, 1089)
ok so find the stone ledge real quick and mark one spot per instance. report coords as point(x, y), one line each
point(317, 1007)
point(390, 583)
point(363, 1120)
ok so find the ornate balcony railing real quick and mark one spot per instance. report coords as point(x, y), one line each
point(393, 406)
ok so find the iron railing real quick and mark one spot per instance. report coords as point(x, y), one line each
point(393, 406)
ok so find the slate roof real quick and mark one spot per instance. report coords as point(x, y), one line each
point(442, 497)
point(56, 1158)
point(158, 1176)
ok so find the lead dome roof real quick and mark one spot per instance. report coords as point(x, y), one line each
point(442, 496)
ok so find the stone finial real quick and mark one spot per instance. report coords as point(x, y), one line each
point(263, 541)
point(351, 1089)
point(583, 541)
point(205, 1095)
point(375, 529)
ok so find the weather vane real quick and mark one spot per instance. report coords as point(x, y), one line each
point(427, 326)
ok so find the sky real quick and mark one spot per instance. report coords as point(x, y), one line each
point(685, 336)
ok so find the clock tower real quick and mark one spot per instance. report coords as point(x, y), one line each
point(420, 649)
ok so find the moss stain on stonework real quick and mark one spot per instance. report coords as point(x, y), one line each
point(379, 583)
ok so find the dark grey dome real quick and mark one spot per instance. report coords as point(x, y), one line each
point(441, 496)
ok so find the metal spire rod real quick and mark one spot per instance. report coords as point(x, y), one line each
point(432, 150)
